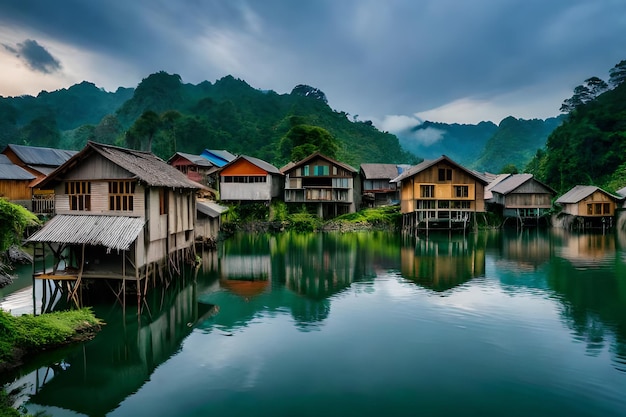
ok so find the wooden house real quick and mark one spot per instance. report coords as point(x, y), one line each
point(15, 183)
point(588, 206)
point(39, 161)
point(208, 221)
point(195, 167)
point(522, 197)
point(440, 194)
point(378, 188)
point(247, 180)
point(329, 187)
point(120, 215)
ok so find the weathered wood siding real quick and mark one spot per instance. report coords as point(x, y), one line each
point(15, 189)
point(99, 201)
point(258, 191)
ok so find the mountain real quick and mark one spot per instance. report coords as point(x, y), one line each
point(461, 142)
point(228, 114)
point(514, 143)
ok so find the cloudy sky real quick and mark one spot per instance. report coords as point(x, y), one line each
point(389, 61)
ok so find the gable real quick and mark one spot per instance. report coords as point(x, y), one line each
point(96, 167)
point(242, 167)
point(532, 187)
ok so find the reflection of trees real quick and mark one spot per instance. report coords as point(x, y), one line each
point(441, 262)
point(594, 299)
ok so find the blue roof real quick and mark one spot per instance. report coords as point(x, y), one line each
point(217, 157)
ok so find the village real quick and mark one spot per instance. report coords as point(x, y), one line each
point(125, 217)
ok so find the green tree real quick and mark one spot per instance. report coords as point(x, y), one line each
point(617, 74)
point(303, 140)
point(41, 131)
point(509, 169)
point(144, 130)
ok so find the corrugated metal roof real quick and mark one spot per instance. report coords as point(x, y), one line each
point(580, 192)
point(196, 159)
point(380, 171)
point(10, 171)
point(210, 208)
point(115, 232)
point(510, 183)
point(33, 155)
point(622, 192)
point(494, 180)
point(266, 166)
point(218, 157)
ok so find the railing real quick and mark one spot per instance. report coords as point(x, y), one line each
point(43, 204)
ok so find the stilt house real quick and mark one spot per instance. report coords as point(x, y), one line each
point(440, 194)
point(330, 187)
point(588, 206)
point(120, 215)
point(523, 198)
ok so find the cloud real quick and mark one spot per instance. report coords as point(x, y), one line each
point(398, 123)
point(428, 136)
point(35, 56)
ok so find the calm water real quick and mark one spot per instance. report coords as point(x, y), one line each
point(367, 324)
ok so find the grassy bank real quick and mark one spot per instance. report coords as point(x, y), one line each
point(27, 334)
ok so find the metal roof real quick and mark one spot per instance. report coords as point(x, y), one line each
point(416, 169)
point(511, 183)
point(196, 159)
point(33, 155)
point(380, 171)
point(10, 171)
point(622, 192)
point(580, 192)
point(210, 208)
point(115, 232)
point(265, 166)
point(218, 157)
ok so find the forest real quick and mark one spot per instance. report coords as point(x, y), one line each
point(586, 144)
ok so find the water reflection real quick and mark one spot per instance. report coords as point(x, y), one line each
point(442, 262)
point(122, 356)
point(302, 290)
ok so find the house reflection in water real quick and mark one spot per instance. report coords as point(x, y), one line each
point(523, 251)
point(586, 250)
point(123, 356)
point(443, 262)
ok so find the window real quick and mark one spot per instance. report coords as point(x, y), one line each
point(121, 195)
point(606, 208)
point(461, 191)
point(340, 182)
point(319, 170)
point(427, 191)
point(445, 174)
point(244, 179)
point(598, 208)
point(589, 209)
point(305, 171)
point(443, 204)
point(79, 193)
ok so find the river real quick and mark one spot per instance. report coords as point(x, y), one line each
point(498, 323)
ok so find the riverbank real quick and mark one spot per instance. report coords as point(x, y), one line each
point(26, 335)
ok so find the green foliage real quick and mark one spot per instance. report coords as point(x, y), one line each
point(14, 219)
point(5, 406)
point(589, 147)
point(509, 169)
point(303, 140)
point(303, 221)
point(379, 216)
point(279, 211)
point(34, 333)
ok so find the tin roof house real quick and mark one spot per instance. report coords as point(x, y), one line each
point(440, 194)
point(121, 216)
point(522, 197)
point(246, 179)
point(378, 188)
point(587, 207)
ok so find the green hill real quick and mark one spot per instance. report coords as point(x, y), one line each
point(514, 143)
point(589, 147)
point(228, 114)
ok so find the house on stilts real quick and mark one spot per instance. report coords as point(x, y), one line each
point(440, 194)
point(123, 218)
